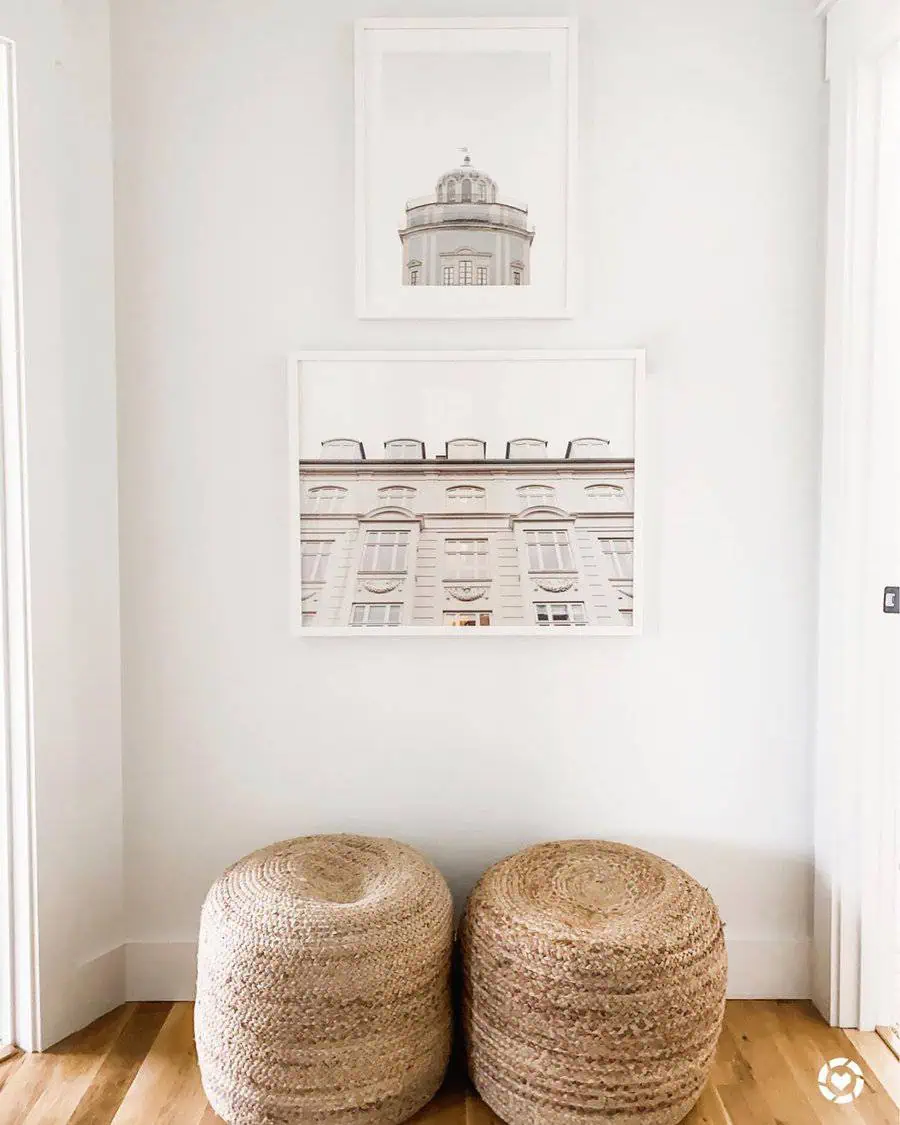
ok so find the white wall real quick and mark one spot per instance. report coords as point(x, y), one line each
point(701, 184)
point(70, 406)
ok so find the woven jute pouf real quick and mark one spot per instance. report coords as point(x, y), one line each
point(594, 986)
point(323, 984)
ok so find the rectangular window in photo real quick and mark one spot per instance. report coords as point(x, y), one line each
point(560, 613)
point(314, 559)
point(385, 551)
point(467, 558)
point(376, 615)
point(620, 553)
point(549, 551)
point(481, 619)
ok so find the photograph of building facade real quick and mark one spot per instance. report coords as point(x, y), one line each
point(467, 537)
point(466, 234)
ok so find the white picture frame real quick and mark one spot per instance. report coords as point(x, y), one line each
point(322, 384)
point(420, 255)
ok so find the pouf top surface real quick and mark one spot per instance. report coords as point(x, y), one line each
point(592, 889)
point(314, 880)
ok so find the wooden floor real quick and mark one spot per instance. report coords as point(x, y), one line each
point(137, 1066)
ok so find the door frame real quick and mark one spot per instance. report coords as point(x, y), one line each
point(856, 782)
point(19, 991)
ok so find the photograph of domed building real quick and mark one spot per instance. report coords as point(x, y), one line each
point(486, 230)
point(466, 233)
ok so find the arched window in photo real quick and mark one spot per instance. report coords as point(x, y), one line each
point(526, 449)
point(465, 449)
point(466, 191)
point(400, 495)
point(466, 496)
point(465, 271)
point(598, 491)
point(404, 449)
point(585, 448)
point(342, 449)
point(325, 500)
point(531, 495)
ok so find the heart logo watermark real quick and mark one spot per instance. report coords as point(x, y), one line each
point(836, 1079)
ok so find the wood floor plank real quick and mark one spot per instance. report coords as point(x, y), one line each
point(807, 1042)
point(8, 1068)
point(870, 1047)
point(743, 1104)
point(756, 1028)
point(709, 1110)
point(47, 1087)
point(729, 1065)
point(166, 1089)
point(102, 1099)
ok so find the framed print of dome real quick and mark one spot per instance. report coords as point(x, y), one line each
point(465, 167)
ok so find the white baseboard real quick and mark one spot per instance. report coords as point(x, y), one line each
point(758, 970)
point(160, 970)
point(85, 992)
point(769, 969)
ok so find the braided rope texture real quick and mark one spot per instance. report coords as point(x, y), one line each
point(594, 986)
point(323, 984)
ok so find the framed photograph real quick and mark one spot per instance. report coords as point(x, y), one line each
point(465, 493)
point(466, 138)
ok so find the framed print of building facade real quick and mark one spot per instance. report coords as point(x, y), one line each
point(466, 141)
point(483, 493)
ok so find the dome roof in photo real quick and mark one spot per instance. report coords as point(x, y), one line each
point(465, 233)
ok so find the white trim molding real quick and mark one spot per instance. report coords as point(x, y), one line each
point(859, 646)
point(18, 939)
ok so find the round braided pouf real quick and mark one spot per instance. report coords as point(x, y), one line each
point(323, 984)
point(594, 986)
